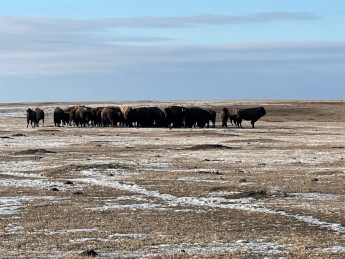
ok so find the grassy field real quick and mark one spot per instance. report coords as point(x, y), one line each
point(276, 191)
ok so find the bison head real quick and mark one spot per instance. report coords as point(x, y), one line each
point(262, 111)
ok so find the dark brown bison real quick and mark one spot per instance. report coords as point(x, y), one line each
point(224, 117)
point(251, 114)
point(157, 117)
point(212, 117)
point(233, 116)
point(82, 116)
point(39, 116)
point(96, 116)
point(69, 115)
point(129, 115)
point(196, 117)
point(59, 116)
point(31, 118)
point(111, 116)
point(143, 117)
point(174, 116)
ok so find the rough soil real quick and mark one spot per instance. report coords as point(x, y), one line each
point(276, 191)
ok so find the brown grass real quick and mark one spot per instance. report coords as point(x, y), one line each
point(297, 148)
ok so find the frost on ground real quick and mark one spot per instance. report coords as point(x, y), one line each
point(275, 191)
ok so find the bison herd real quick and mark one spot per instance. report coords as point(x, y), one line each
point(172, 116)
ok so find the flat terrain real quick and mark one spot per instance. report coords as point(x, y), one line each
point(276, 191)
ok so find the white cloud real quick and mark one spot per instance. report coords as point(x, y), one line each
point(22, 24)
point(114, 58)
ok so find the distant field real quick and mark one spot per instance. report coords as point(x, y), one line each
point(276, 191)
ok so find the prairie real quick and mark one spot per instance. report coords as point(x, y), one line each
point(276, 191)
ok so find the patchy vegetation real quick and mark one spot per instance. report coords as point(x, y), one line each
point(275, 191)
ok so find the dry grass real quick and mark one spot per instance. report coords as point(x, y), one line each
point(272, 191)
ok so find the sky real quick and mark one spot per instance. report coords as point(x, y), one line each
point(108, 50)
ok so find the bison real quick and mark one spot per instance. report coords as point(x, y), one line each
point(82, 116)
point(157, 117)
point(39, 116)
point(251, 114)
point(233, 116)
point(111, 116)
point(96, 116)
point(143, 117)
point(31, 118)
point(59, 116)
point(129, 115)
point(174, 116)
point(224, 116)
point(212, 117)
point(196, 116)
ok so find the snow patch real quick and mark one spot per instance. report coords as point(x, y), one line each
point(12, 205)
point(213, 202)
point(317, 196)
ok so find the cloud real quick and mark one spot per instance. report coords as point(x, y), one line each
point(55, 25)
point(116, 59)
point(47, 33)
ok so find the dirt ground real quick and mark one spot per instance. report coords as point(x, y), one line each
point(276, 191)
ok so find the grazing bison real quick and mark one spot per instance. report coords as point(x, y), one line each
point(252, 115)
point(212, 117)
point(39, 116)
point(174, 116)
point(157, 117)
point(69, 115)
point(224, 116)
point(96, 116)
point(143, 117)
point(59, 116)
point(196, 116)
point(82, 116)
point(129, 115)
point(111, 116)
point(31, 118)
point(233, 116)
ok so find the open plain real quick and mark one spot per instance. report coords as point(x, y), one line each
point(276, 191)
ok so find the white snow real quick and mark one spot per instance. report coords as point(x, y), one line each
point(213, 202)
point(317, 196)
point(12, 205)
point(218, 247)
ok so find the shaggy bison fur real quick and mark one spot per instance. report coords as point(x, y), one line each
point(39, 116)
point(111, 116)
point(196, 117)
point(59, 116)
point(31, 118)
point(224, 117)
point(251, 114)
point(174, 116)
point(129, 115)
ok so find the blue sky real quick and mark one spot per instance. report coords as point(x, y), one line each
point(171, 50)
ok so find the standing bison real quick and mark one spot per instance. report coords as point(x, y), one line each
point(196, 117)
point(157, 117)
point(82, 116)
point(224, 116)
point(111, 116)
point(174, 116)
point(212, 117)
point(251, 114)
point(59, 116)
point(39, 116)
point(143, 117)
point(233, 116)
point(31, 118)
point(129, 115)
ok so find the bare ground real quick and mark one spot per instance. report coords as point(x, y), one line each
point(276, 191)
